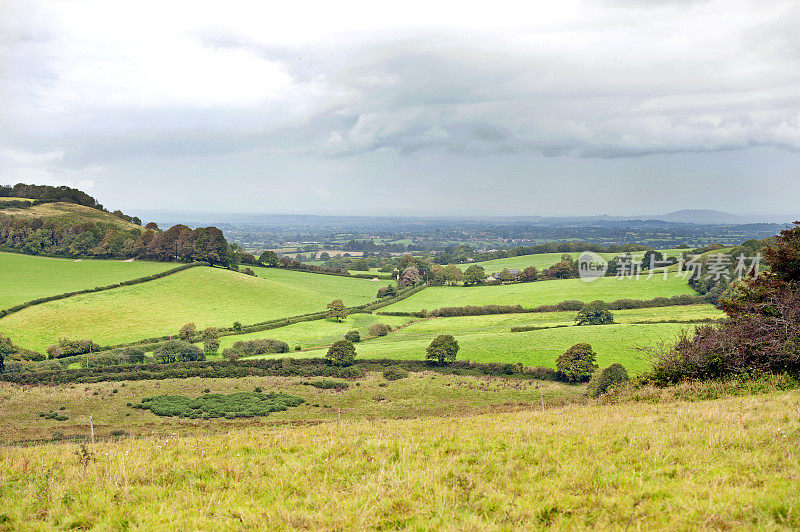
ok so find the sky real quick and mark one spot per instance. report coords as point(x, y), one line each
point(437, 108)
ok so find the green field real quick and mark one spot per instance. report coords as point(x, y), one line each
point(25, 277)
point(726, 464)
point(545, 260)
point(206, 296)
point(489, 338)
point(318, 332)
point(543, 293)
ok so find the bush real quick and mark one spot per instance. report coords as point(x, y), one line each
point(249, 348)
point(178, 351)
point(577, 364)
point(341, 353)
point(394, 373)
point(187, 332)
point(210, 338)
point(443, 349)
point(133, 355)
point(241, 404)
point(601, 381)
point(352, 336)
point(595, 313)
point(379, 329)
point(67, 348)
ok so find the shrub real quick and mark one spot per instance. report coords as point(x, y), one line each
point(394, 373)
point(187, 332)
point(237, 326)
point(379, 329)
point(341, 353)
point(176, 350)
point(577, 364)
point(249, 271)
point(352, 336)
point(443, 349)
point(210, 338)
point(603, 380)
point(247, 348)
point(133, 355)
point(241, 404)
point(67, 348)
point(595, 313)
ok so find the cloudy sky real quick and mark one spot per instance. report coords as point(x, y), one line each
point(568, 107)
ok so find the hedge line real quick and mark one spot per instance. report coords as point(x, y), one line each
point(286, 367)
point(569, 305)
point(366, 308)
point(130, 282)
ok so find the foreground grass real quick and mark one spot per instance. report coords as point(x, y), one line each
point(729, 463)
point(205, 296)
point(543, 293)
point(24, 277)
point(373, 397)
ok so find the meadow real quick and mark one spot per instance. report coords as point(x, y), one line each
point(724, 464)
point(25, 277)
point(489, 338)
point(205, 296)
point(372, 397)
point(544, 292)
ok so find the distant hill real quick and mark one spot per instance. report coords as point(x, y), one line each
point(701, 216)
point(69, 214)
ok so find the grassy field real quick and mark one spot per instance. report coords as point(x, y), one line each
point(69, 213)
point(420, 394)
point(206, 296)
point(489, 338)
point(724, 464)
point(545, 260)
point(24, 277)
point(543, 293)
point(319, 332)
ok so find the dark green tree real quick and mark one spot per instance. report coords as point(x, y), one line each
point(443, 349)
point(269, 258)
point(210, 338)
point(602, 380)
point(187, 332)
point(352, 336)
point(474, 275)
point(341, 353)
point(577, 364)
point(594, 313)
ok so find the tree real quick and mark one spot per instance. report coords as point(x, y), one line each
point(177, 350)
point(210, 337)
point(336, 309)
point(341, 353)
point(269, 258)
point(784, 254)
point(7, 349)
point(352, 336)
point(409, 277)
point(443, 349)
point(474, 275)
point(529, 274)
point(577, 364)
point(187, 332)
point(594, 313)
point(561, 270)
point(651, 257)
point(453, 274)
point(133, 354)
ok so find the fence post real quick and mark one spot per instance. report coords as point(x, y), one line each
point(91, 427)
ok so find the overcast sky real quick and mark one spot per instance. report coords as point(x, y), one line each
point(564, 107)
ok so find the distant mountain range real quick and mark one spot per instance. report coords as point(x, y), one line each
point(711, 217)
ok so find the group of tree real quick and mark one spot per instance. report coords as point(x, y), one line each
point(762, 329)
point(464, 254)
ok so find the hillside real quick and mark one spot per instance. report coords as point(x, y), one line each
point(69, 214)
point(24, 277)
point(724, 464)
point(203, 295)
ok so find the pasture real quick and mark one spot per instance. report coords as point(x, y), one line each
point(489, 338)
point(544, 292)
point(545, 260)
point(205, 296)
point(725, 464)
point(26, 277)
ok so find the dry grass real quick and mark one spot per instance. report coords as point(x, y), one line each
point(722, 464)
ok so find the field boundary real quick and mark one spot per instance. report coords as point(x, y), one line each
point(130, 282)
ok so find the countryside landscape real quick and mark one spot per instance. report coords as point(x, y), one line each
point(349, 299)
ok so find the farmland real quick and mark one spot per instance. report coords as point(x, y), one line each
point(489, 338)
point(544, 292)
point(726, 463)
point(206, 296)
point(545, 260)
point(24, 277)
